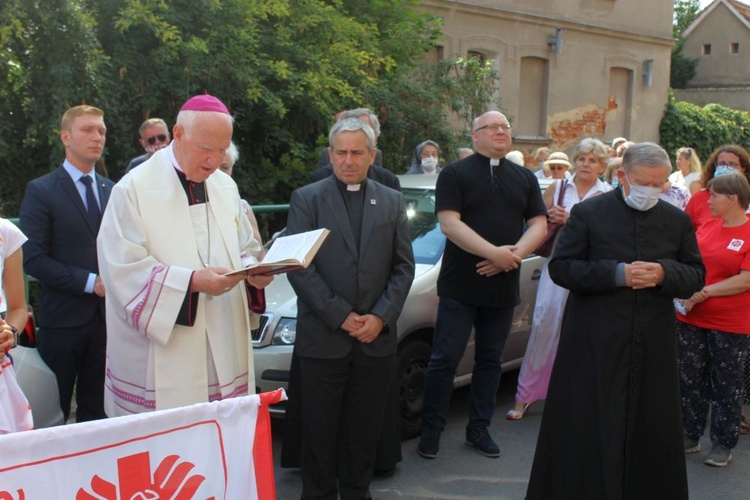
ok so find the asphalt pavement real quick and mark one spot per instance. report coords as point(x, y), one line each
point(460, 473)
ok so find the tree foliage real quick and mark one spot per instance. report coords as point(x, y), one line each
point(50, 59)
point(437, 101)
point(685, 12)
point(704, 129)
point(682, 68)
point(284, 67)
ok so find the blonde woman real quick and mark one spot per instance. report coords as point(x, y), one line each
point(688, 174)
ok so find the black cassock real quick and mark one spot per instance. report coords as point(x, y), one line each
point(612, 427)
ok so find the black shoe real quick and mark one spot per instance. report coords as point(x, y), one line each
point(479, 438)
point(429, 443)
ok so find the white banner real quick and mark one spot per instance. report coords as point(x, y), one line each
point(219, 450)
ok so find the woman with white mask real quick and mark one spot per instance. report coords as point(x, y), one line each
point(425, 160)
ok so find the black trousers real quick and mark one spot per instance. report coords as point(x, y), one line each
point(343, 404)
point(77, 355)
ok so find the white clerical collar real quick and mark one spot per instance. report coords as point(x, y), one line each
point(353, 187)
point(494, 162)
point(172, 159)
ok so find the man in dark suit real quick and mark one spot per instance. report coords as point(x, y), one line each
point(60, 214)
point(348, 302)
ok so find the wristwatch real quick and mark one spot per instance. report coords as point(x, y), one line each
point(16, 335)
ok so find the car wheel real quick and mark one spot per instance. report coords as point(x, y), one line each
point(413, 358)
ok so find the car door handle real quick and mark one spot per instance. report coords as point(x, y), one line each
point(536, 274)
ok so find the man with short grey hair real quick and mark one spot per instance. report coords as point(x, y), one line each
point(348, 302)
point(367, 116)
point(612, 426)
point(376, 172)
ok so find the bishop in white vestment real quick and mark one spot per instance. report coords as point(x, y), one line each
point(178, 330)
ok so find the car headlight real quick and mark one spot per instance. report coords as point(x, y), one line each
point(285, 332)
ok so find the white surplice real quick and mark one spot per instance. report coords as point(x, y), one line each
point(149, 243)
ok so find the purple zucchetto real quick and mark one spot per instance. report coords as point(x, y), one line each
point(205, 102)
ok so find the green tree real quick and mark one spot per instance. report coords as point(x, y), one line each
point(432, 101)
point(704, 129)
point(685, 12)
point(50, 60)
point(284, 67)
point(683, 68)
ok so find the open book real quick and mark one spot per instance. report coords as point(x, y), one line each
point(288, 253)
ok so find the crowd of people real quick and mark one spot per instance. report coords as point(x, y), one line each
point(640, 326)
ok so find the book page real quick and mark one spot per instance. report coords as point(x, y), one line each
point(294, 247)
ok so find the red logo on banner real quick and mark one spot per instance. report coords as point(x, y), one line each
point(170, 481)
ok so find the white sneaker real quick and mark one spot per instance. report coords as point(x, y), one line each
point(719, 456)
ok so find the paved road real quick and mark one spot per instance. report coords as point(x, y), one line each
point(461, 473)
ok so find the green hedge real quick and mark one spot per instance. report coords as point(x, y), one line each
point(704, 129)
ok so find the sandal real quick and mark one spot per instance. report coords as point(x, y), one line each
point(514, 414)
point(744, 427)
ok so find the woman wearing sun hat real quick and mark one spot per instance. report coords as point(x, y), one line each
point(558, 166)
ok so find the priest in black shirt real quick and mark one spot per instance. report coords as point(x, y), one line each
point(482, 203)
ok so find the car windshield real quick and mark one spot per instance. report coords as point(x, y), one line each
point(427, 240)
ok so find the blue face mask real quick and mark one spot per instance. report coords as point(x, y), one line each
point(615, 181)
point(724, 170)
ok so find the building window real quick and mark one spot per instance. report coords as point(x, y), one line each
point(620, 103)
point(531, 120)
point(706, 49)
point(734, 48)
point(478, 55)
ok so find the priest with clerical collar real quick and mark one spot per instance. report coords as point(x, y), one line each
point(347, 306)
point(177, 327)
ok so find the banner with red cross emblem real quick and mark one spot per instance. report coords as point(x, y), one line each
point(219, 450)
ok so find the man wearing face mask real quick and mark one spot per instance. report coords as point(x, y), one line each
point(612, 425)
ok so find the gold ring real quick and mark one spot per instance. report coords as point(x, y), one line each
point(227, 289)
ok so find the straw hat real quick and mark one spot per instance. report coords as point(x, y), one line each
point(558, 159)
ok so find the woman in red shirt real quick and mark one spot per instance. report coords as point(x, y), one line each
point(728, 156)
point(714, 334)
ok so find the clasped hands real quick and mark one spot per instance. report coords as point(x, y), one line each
point(503, 260)
point(364, 328)
point(212, 281)
point(640, 274)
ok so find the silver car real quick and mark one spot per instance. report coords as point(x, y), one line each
point(274, 340)
point(39, 385)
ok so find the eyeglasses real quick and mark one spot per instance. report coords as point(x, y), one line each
point(731, 165)
point(494, 128)
point(152, 140)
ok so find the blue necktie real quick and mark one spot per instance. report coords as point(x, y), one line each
point(92, 207)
